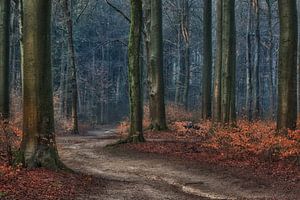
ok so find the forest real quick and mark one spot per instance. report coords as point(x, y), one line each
point(149, 99)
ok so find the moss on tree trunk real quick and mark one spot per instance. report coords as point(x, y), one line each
point(228, 63)
point(72, 61)
point(207, 62)
point(156, 80)
point(135, 89)
point(287, 71)
point(4, 57)
point(224, 109)
point(38, 146)
point(216, 114)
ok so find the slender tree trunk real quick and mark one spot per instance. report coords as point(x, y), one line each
point(135, 93)
point(218, 65)
point(179, 70)
point(13, 81)
point(147, 22)
point(38, 144)
point(207, 62)
point(156, 77)
point(12, 53)
point(186, 38)
point(228, 62)
point(271, 60)
point(4, 57)
point(287, 72)
point(62, 83)
point(249, 95)
point(71, 52)
point(257, 95)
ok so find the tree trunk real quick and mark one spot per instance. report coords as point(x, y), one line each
point(62, 83)
point(179, 70)
point(257, 95)
point(135, 93)
point(38, 144)
point(71, 52)
point(156, 77)
point(271, 60)
point(186, 64)
point(218, 65)
point(249, 94)
point(228, 62)
point(207, 62)
point(4, 57)
point(287, 72)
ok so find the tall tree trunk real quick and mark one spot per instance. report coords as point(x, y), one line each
point(207, 62)
point(186, 64)
point(135, 93)
point(218, 65)
point(257, 95)
point(62, 83)
point(156, 77)
point(249, 94)
point(147, 24)
point(179, 68)
point(228, 62)
point(287, 72)
point(4, 57)
point(271, 60)
point(38, 144)
point(71, 53)
point(12, 52)
point(13, 81)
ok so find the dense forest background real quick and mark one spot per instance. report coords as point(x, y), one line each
point(100, 38)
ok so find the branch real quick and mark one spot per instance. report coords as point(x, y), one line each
point(118, 10)
point(82, 11)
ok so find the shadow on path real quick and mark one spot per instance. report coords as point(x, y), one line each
point(134, 175)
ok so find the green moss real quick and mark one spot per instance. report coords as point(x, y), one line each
point(2, 194)
point(18, 158)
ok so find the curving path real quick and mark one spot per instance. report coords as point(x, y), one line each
point(133, 175)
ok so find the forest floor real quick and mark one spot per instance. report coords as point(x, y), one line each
point(159, 170)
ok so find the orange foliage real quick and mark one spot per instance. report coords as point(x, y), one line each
point(257, 138)
point(248, 145)
point(18, 183)
point(173, 112)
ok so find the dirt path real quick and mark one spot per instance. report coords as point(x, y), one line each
point(131, 175)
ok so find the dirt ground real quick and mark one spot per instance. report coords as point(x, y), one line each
point(126, 174)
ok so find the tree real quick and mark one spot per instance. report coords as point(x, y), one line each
point(4, 57)
point(183, 56)
point(257, 95)
point(180, 60)
point(38, 146)
point(207, 60)
point(72, 60)
point(156, 75)
point(228, 62)
point(135, 91)
point(218, 66)
point(287, 72)
point(186, 65)
point(253, 58)
point(224, 81)
point(249, 94)
point(271, 60)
